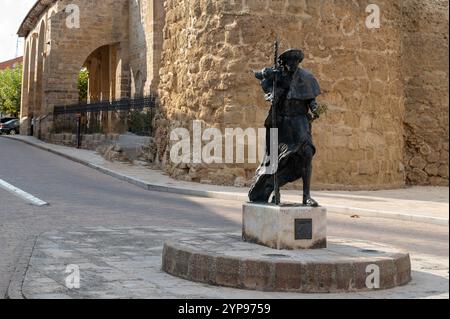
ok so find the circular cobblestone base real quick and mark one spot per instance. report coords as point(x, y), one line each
point(345, 266)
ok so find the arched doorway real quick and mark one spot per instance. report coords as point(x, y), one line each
point(100, 65)
point(25, 84)
point(100, 71)
point(32, 84)
point(40, 71)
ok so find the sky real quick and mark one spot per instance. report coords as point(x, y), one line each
point(12, 13)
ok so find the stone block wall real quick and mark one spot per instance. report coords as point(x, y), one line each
point(101, 23)
point(113, 147)
point(66, 50)
point(146, 24)
point(211, 46)
point(386, 89)
point(425, 52)
point(88, 141)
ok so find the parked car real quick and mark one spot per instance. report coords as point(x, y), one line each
point(11, 127)
point(7, 119)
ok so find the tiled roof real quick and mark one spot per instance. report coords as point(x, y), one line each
point(10, 63)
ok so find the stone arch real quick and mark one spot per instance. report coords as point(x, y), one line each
point(40, 70)
point(104, 23)
point(32, 76)
point(49, 30)
point(74, 48)
point(101, 66)
point(51, 13)
point(25, 82)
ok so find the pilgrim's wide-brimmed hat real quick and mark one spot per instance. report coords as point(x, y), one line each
point(292, 54)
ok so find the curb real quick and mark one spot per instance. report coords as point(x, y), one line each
point(340, 210)
point(14, 291)
point(348, 211)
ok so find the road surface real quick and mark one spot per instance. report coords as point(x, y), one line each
point(81, 197)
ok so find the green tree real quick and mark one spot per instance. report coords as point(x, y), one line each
point(10, 90)
point(83, 80)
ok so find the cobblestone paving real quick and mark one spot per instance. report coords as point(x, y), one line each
point(82, 197)
point(126, 263)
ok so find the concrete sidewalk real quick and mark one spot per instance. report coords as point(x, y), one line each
point(417, 204)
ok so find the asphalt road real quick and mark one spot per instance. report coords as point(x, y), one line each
point(82, 197)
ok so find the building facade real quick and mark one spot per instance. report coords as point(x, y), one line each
point(11, 63)
point(386, 88)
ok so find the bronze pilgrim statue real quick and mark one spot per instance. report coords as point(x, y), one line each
point(292, 92)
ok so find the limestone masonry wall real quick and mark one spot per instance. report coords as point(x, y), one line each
point(211, 46)
point(146, 23)
point(386, 89)
point(425, 53)
point(66, 50)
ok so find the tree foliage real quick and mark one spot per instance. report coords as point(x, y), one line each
point(83, 80)
point(10, 90)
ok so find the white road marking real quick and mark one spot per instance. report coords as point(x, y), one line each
point(20, 193)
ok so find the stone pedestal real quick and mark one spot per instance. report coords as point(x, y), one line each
point(223, 259)
point(286, 227)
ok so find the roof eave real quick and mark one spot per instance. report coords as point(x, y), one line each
point(33, 16)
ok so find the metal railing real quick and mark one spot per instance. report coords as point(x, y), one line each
point(118, 116)
point(116, 105)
